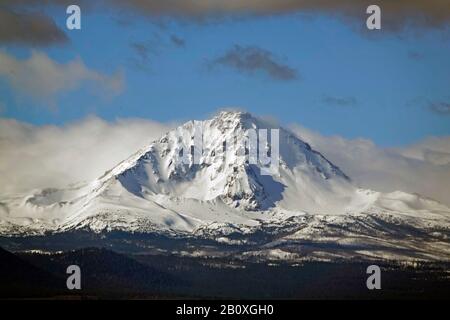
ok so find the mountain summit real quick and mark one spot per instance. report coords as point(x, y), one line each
point(212, 161)
point(238, 175)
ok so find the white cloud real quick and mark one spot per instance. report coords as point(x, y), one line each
point(435, 150)
point(43, 78)
point(422, 168)
point(52, 156)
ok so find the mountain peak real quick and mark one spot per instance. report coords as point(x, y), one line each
point(234, 119)
point(233, 114)
point(213, 160)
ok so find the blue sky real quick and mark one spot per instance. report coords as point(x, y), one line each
point(349, 83)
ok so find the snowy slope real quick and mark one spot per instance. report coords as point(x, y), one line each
point(170, 188)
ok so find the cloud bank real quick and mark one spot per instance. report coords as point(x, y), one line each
point(396, 14)
point(422, 168)
point(42, 78)
point(22, 21)
point(53, 156)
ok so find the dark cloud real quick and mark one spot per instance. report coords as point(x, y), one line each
point(340, 101)
point(29, 28)
point(177, 41)
point(251, 60)
point(145, 50)
point(442, 108)
point(141, 49)
point(415, 55)
point(395, 13)
point(19, 22)
point(25, 22)
point(33, 3)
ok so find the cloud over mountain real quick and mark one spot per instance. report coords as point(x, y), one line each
point(423, 167)
point(42, 156)
point(36, 156)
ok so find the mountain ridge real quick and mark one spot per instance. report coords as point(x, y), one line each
point(172, 187)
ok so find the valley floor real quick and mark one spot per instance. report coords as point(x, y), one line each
point(108, 274)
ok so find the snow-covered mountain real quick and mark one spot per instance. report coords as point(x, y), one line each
point(301, 206)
